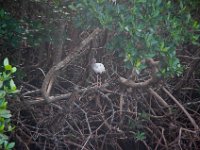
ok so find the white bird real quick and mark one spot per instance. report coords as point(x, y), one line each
point(98, 68)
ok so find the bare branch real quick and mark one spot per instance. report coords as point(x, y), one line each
point(77, 51)
point(159, 98)
point(182, 108)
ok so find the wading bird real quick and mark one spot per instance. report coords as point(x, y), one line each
point(98, 68)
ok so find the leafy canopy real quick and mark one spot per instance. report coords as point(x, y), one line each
point(143, 29)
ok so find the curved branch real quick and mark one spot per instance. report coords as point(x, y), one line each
point(182, 108)
point(159, 98)
point(153, 65)
point(77, 51)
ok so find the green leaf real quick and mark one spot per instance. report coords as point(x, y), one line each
point(1, 84)
point(8, 67)
point(12, 85)
point(5, 113)
point(1, 142)
point(3, 136)
point(5, 145)
point(6, 62)
point(2, 128)
point(5, 76)
point(3, 105)
point(162, 45)
point(140, 136)
point(2, 94)
point(137, 63)
point(13, 92)
point(14, 69)
point(195, 25)
point(10, 128)
point(11, 145)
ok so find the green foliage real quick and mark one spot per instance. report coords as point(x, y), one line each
point(140, 136)
point(143, 29)
point(10, 30)
point(137, 125)
point(45, 26)
point(17, 33)
point(143, 116)
point(31, 32)
point(7, 86)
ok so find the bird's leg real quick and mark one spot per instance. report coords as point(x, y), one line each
point(97, 80)
point(100, 81)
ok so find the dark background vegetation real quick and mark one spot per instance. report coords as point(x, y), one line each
point(52, 42)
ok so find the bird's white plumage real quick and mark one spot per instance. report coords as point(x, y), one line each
point(98, 68)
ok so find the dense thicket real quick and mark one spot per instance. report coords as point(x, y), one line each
point(149, 98)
